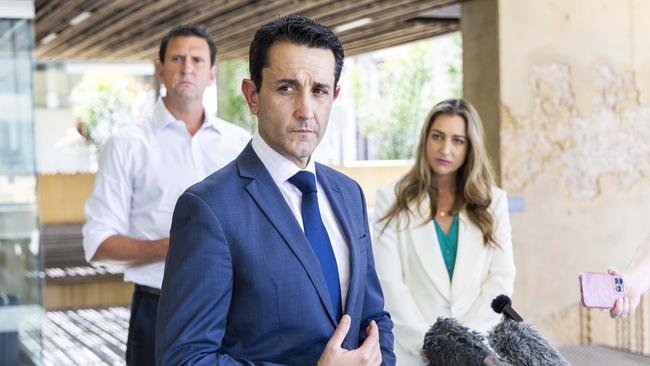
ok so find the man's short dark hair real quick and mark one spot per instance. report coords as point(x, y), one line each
point(187, 31)
point(296, 29)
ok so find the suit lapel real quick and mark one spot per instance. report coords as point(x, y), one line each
point(425, 243)
point(470, 252)
point(335, 198)
point(268, 197)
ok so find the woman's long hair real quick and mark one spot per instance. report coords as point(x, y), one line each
point(474, 178)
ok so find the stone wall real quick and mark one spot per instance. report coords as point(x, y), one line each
point(574, 133)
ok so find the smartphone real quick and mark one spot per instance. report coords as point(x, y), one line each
point(600, 290)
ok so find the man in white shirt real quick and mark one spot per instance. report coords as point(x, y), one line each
point(145, 168)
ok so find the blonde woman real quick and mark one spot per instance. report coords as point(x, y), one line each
point(442, 238)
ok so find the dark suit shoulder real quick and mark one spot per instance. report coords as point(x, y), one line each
point(335, 175)
point(216, 183)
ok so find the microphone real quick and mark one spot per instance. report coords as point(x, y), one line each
point(518, 342)
point(450, 343)
point(501, 304)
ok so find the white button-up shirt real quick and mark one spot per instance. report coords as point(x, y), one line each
point(281, 169)
point(142, 172)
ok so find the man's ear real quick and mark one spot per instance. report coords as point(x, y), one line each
point(250, 94)
point(159, 70)
point(213, 73)
point(337, 91)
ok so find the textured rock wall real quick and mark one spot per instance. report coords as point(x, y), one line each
point(571, 80)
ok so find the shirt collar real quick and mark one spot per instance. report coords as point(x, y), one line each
point(163, 117)
point(278, 166)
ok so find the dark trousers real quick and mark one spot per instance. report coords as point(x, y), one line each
point(140, 347)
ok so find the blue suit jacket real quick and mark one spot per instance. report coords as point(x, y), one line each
point(242, 284)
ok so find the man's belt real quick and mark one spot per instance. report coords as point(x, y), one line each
point(147, 290)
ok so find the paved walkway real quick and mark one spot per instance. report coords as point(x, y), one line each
point(89, 337)
point(592, 355)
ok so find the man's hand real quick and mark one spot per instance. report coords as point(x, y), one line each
point(368, 354)
point(626, 305)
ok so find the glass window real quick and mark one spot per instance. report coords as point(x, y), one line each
point(21, 309)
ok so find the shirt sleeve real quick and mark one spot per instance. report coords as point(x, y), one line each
point(237, 136)
point(244, 138)
point(108, 208)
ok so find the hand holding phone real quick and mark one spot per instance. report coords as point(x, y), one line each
point(600, 290)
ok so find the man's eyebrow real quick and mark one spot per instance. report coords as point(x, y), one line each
point(187, 54)
point(292, 82)
point(322, 85)
point(295, 82)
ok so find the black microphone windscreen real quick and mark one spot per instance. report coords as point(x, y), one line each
point(450, 343)
point(500, 302)
point(521, 345)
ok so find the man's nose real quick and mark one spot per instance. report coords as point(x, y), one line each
point(187, 65)
point(304, 108)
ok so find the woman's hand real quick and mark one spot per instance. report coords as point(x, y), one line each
point(626, 305)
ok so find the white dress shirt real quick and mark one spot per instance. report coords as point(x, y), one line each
point(281, 169)
point(142, 172)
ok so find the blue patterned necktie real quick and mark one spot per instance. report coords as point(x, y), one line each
point(317, 236)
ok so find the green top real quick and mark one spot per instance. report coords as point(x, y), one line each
point(448, 244)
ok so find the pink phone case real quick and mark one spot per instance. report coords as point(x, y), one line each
point(600, 290)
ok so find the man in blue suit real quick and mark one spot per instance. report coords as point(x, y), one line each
point(270, 260)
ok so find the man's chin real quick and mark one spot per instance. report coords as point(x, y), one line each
point(186, 95)
point(304, 148)
point(299, 153)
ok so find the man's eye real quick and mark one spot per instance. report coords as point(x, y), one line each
point(285, 89)
point(320, 91)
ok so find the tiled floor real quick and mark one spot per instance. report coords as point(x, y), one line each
point(592, 355)
point(89, 337)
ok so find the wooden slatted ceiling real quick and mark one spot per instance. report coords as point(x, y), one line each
point(130, 30)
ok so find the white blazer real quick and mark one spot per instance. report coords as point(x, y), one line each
point(414, 278)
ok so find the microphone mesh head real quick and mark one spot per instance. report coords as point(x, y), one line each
point(449, 343)
point(500, 302)
point(519, 344)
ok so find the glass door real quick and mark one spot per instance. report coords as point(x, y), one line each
point(21, 272)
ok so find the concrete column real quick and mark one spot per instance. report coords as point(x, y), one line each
point(480, 31)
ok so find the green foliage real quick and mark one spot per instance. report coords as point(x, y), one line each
point(231, 104)
point(455, 69)
point(102, 105)
point(390, 113)
point(391, 121)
